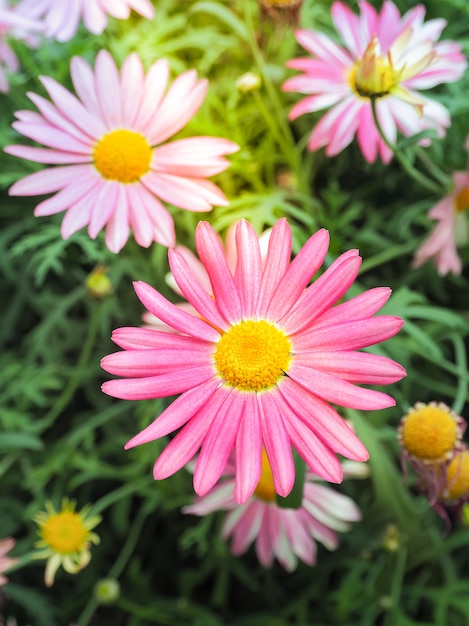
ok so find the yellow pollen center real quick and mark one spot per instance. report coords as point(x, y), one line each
point(429, 433)
point(253, 355)
point(122, 155)
point(462, 200)
point(64, 532)
point(458, 476)
point(373, 75)
point(265, 489)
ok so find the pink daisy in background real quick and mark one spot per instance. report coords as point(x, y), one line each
point(62, 17)
point(282, 533)
point(112, 170)
point(18, 26)
point(451, 230)
point(260, 362)
point(5, 561)
point(385, 57)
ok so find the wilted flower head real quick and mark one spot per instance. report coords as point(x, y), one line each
point(386, 58)
point(62, 17)
point(283, 11)
point(66, 538)
point(6, 561)
point(260, 362)
point(17, 25)
point(286, 534)
point(451, 230)
point(112, 169)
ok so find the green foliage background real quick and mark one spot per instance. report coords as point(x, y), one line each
point(62, 437)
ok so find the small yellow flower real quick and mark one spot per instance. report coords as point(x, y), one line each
point(66, 538)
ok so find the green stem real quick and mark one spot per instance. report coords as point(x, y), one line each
point(126, 489)
point(461, 362)
point(433, 169)
point(414, 173)
point(80, 368)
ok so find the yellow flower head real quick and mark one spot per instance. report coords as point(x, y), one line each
point(457, 477)
point(66, 538)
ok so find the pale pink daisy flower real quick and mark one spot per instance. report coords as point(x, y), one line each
point(259, 363)
point(451, 230)
point(5, 561)
point(14, 24)
point(200, 273)
point(62, 17)
point(113, 171)
point(385, 57)
point(285, 534)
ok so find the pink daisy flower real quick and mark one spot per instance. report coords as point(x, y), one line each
point(62, 18)
point(112, 170)
point(13, 24)
point(385, 57)
point(451, 231)
point(259, 364)
point(5, 561)
point(284, 534)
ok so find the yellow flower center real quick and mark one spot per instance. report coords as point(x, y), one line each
point(458, 476)
point(430, 432)
point(64, 532)
point(462, 200)
point(265, 489)
point(122, 155)
point(253, 355)
point(373, 75)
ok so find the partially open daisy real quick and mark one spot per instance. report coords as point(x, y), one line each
point(112, 169)
point(259, 364)
point(281, 533)
point(17, 25)
point(6, 561)
point(386, 58)
point(430, 435)
point(451, 230)
point(66, 538)
point(62, 18)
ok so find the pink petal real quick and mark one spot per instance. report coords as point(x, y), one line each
point(131, 338)
point(49, 180)
point(154, 362)
point(117, 229)
point(248, 273)
point(108, 90)
point(361, 306)
point(276, 264)
point(248, 449)
point(193, 194)
point(195, 157)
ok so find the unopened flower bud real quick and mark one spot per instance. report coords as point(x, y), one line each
point(107, 591)
point(98, 284)
point(248, 82)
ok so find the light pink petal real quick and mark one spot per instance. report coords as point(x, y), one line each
point(143, 7)
point(367, 134)
point(277, 443)
point(224, 287)
point(83, 81)
point(299, 273)
point(193, 292)
point(193, 194)
point(158, 386)
point(323, 420)
point(131, 338)
point(318, 102)
point(247, 528)
point(178, 413)
point(347, 25)
point(117, 229)
point(53, 138)
point(219, 441)
point(248, 448)
point(131, 86)
point(195, 157)
point(183, 100)
point(65, 198)
point(322, 133)
point(282, 549)
point(339, 391)
point(156, 80)
point(362, 306)
point(162, 221)
point(344, 127)
point(338, 507)
point(44, 155)
point(219, 498)
point(171, 315)
point(248, 273)
point(108, 89)
point(276, 263)
point(267, 537)
point(49, 180)
point(298, 536)
point(321, 46)
point(79, 214)
point(324, 292)
point(368, 20)
point(104, 207)
point(94, 17)
point(138, 217)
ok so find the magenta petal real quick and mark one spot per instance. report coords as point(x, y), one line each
point(144, 363)
point(131, 338)
point(172, 315)
point(176, 415)
point(276, 263)
point(219, 440)
point(248, 450)
point(364, 305)
point(248, 267)
point(157, 386)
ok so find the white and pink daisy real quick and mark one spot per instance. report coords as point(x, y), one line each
point(18, 26)
point(6, 561)
point(62, 17)
point(284, 534)
point(386, 58)
point(260, 362)
point(113, 171)
point(451, 230)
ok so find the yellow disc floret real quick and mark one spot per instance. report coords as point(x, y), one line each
point(457, 476)
point(64, 532)
point(462, 200)
point(253, 355)
point(430, 432)
point(265, 489)
point(122, 155)
point(373, 75)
